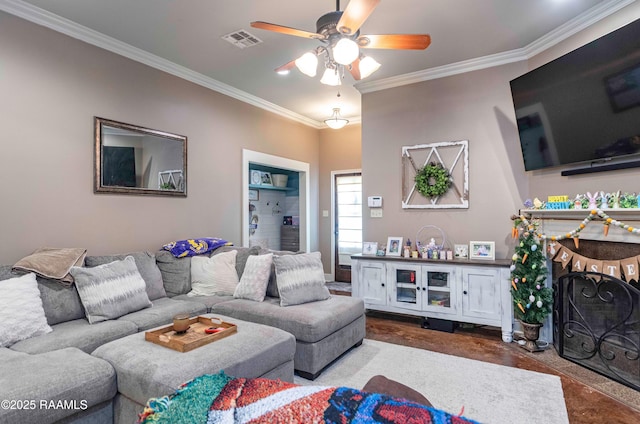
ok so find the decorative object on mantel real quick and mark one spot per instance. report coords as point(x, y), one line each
point(532, 301)
point(593, 214)
point(615, 268)
point(445, 166)
point(597, 200)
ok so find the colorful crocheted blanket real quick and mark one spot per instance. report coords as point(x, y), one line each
point(223, 399)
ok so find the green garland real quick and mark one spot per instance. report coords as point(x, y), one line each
point(433, 180)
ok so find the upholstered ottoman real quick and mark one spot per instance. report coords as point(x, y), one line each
point(145, 370)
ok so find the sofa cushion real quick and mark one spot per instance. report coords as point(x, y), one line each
point(254, 280)
point(300, 278)
point(214, 275)
point(77, 333)
point(60, 303)
point(309, 322)
point(241, 257)
point(162, 312)
point(21, 312)
point(146, 264)
point(176, 273)
point(208, 301)
point(66, 375)
point(111, 290)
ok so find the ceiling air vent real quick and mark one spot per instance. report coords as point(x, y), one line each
point(242, 39)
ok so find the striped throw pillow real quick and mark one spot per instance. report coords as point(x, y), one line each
point(300, 278)
point(111, 290)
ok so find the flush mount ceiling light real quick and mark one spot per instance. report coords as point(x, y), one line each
point(336, 121)
point(340, 34)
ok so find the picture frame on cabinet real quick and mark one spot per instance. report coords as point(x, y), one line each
point(394, 246)
point(482, 250)
point(461, 251)
point(369, 248)
point(254, 194)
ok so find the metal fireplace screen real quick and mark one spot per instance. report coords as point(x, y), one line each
point(597, 324)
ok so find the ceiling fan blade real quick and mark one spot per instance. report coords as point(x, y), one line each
point(354, 68)
point(286, 67)
point(395, 41)
point(286, 30)
point(355, 14)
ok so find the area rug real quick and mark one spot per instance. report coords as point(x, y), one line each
point(485, 392)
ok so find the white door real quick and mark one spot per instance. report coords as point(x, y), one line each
point(348, 222)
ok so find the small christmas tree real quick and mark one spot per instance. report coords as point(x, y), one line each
point(532, 301)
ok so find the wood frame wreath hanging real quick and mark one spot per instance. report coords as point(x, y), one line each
point(433, 180)
point(436, 175)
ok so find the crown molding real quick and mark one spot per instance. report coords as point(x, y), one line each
point(49, 20)
point(543, 43)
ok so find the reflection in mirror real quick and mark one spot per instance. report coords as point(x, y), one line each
point(136, 160)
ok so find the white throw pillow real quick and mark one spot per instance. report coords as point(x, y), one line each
point(21, 312)
point(216, 275)
point(255, 278)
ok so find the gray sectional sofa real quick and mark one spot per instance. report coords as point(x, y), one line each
point(72, 361)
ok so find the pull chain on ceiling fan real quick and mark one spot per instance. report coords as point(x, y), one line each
point(339, 32)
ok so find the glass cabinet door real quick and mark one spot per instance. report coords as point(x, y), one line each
point(405, 280)
point(438, 291)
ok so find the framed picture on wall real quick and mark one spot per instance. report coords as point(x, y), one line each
point(394, 246)
point(266, 179)
point(482, 250)
point(254, 194)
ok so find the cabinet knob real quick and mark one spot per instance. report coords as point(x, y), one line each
point(424, 288)
point(464, 292)
point(382, 284)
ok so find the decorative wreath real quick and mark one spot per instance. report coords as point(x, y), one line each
point(433, 180)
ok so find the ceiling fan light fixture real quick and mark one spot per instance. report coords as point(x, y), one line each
point(336, 121)
point(331, 77)
point(368, 66)
point(346, 51)
point(308, 64)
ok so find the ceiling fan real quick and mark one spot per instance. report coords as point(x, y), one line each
point(339, 32)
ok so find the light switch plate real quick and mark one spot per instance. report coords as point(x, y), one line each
point(325, 213)
point(376, 213)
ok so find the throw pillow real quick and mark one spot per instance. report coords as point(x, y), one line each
point(272, 287)
point(241, 258)
point(193, 247)
point(254, 280)
point(216, 275)
point(21, 311)
point(146, 264)
point(111, 290)
point(300, 278)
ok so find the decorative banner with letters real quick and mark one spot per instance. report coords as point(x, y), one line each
point(629, 267)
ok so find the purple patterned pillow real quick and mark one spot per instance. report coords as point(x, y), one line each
point(192, 247)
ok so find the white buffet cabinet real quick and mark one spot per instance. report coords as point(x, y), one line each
point(473, 291)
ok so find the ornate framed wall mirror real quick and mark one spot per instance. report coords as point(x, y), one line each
point(131, 159)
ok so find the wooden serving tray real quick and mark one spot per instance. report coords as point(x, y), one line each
point(193, 338)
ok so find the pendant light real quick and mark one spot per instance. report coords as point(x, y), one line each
point(336, 121)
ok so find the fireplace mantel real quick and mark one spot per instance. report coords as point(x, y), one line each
point(562, 221)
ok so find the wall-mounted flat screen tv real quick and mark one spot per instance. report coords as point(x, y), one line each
point(583, 107)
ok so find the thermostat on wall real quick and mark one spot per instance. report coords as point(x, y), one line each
point(374, 201)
